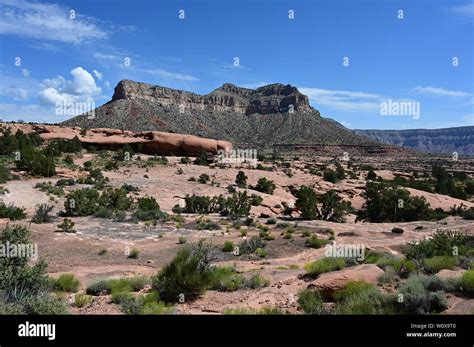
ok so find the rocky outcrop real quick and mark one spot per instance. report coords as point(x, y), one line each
point(151, 142)
point(272, 114)
point(269, 99)
point(331, 282)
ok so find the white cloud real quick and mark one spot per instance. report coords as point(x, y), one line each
point(14, 92)
point(343, 99)
point(47, 22)
point(98, 74)
point(440, 91)
point(166, 74)
point(59, 90)
point(25, 72)
point(465, 10)
point(107, 84)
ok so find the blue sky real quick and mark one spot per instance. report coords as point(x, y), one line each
point(78, 58)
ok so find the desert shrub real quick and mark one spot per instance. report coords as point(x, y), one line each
point(81, 300)
point(381, 201)
point(271, 221)
point(44, 304)
point(237, 205)
point(5, 174)
point(255, 200)
point(121, 297)
point(443, 242)
point(81, 202)
point(66, 283)
point(182, 240)
point(417, 298)
point(249, 246)
point(149, 209)
point(65, 182)
point(103, 251)
point(437, 263)
point(363, 298)
point(204, 178)
point(42, 214)
point(468, 214)
point(25, 287)
point(12, 212)
point(371, 175)
point(57, 147)
point(330, 176)
point(228, 246)
point(257, 281)
point(265, 186)
point(403, 267)
point(311, 302)
point(314, 242)
point(332, 206)
point(185, 160)
point(189, 273)
point(318, 267)
point(261, 252)
point(134, 253)
point(67, 226)
point(36, 163)
point(116, 199)
point(48, 188)
point(98, 287)
point(241, 179)
point(206, 224)
point(201, 159)
point(467, 281)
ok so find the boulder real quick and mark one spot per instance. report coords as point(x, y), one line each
point(446, 274)
point(331, 282)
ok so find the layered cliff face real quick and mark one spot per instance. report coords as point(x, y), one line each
point(272, 114)
point(445, 141)
point(269, 99)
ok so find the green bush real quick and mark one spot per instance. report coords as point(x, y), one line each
point(442, 243)
point(241, 179)
point(257, 281)
point(5, 174)
point(318, 267)
point(67, 226)
point(467, 281)
point(98, 287)
point(81, 300)
point(228, 246)
point(416, 297)
point(44, 304)
point(134, 253)
point(265, 186)
point(314, 242)
point(67, 283)
point(403, 267)
point(42, 214)
point(330, 176)
point(249, 246)
point(311, 302)
point(12, 212)
point(81, 202)
point(189, 273)
point(437, 263)
point(360, 298)
point(204, 178)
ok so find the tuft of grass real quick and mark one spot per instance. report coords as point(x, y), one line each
point(311, 302)
point(134, 253)
point(437, 263)
point(66, 283)
point(318, 267)
point(81, 300)
point(467, 281)
point(314, 242)
point(182, 240)
point(228, 246)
